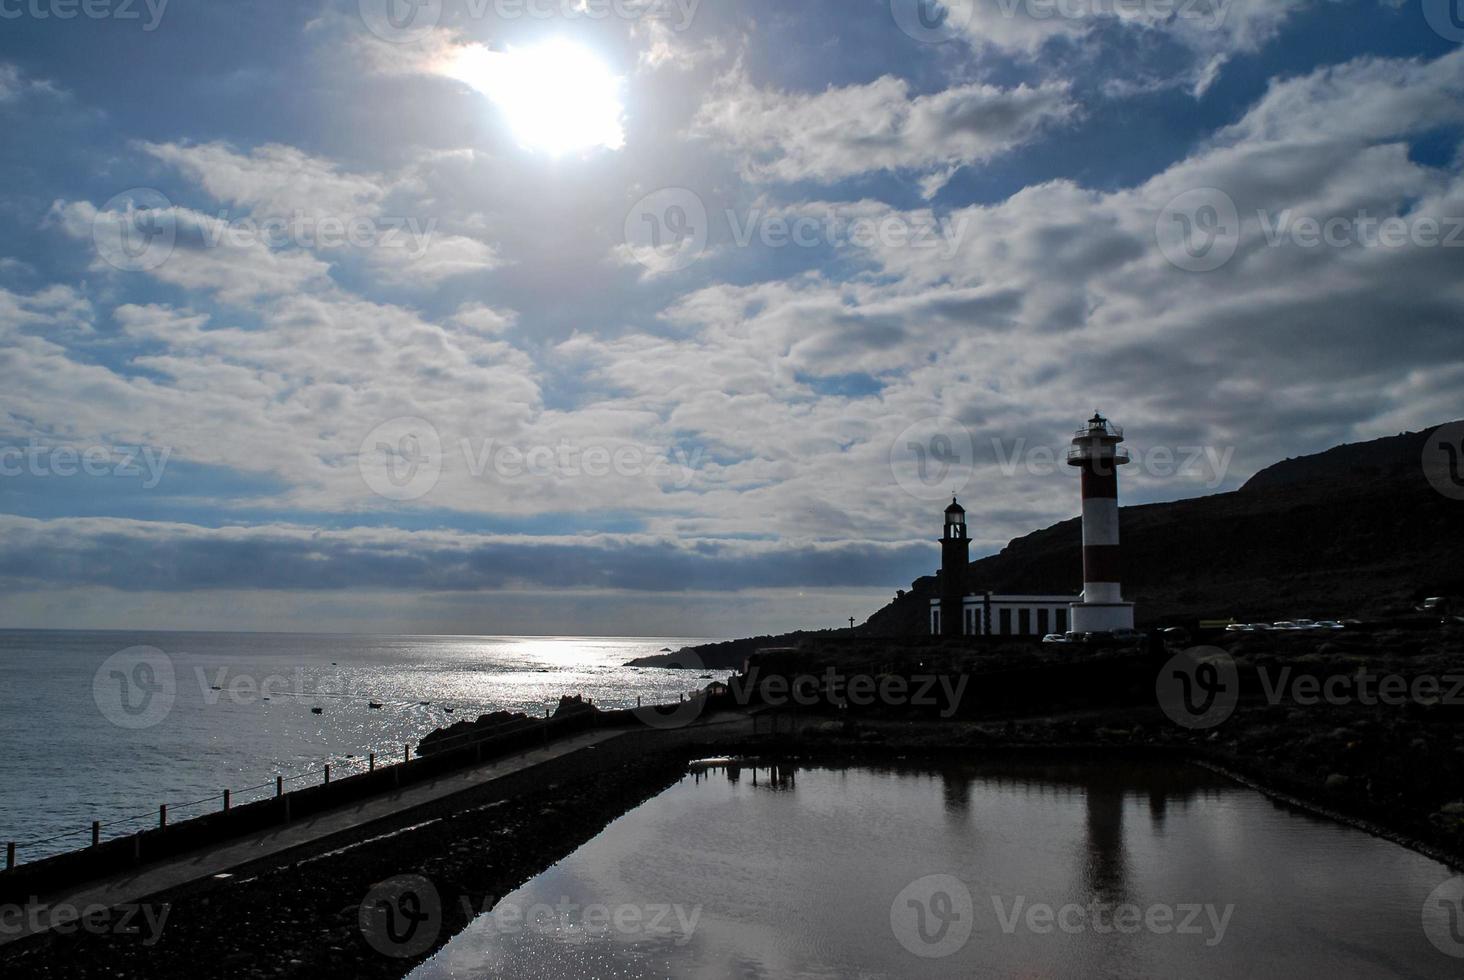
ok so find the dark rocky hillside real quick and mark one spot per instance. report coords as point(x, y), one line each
point(1355, 531)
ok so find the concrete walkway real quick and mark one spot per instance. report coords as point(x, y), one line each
point(154, 878)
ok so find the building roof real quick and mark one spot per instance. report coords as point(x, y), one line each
point(955, 508)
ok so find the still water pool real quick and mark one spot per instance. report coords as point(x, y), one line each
point(1030, 870)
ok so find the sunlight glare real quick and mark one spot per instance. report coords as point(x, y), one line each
point(557, 96)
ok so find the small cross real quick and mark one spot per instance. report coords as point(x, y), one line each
point(851, 622)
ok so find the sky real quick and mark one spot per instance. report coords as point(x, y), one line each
point(674, 317)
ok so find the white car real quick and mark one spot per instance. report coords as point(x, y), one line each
point(1056, 638)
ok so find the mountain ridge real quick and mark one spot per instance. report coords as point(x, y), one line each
point(1353, 530)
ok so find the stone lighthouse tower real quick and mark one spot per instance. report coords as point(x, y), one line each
point(955, 555)
point(1097, 456)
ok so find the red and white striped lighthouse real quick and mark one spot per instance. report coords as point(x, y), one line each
point(1097, 455)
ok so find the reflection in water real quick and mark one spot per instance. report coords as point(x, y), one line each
point(1103, 869)
point(775, 775)
point(956, 789)
point(762, 868)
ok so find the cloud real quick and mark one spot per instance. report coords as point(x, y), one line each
point(148, 556)
point(1211, 32)
point(286, 199)
point(15, 85)
point(275, 180)
point(1364, 100)
point(843, 132)
point(667, 46)
point(199, 253)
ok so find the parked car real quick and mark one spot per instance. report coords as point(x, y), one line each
point(1241, 628)
point(1056, 638)
point(1285, 624)
point(1179, 635)
point(1329, 624)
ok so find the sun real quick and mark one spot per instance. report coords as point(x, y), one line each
point(557, 97)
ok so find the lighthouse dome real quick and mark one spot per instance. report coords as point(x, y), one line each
point(955, 508)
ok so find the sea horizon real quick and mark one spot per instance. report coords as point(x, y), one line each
point(537, 636)
point(241, 709)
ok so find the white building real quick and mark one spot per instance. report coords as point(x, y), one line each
point(1008, 615)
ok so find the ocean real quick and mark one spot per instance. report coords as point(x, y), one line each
point(108, 725)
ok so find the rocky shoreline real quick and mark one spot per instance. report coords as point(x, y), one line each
point(1392, 769)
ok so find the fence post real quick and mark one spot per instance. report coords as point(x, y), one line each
point(9, 855)
point(327, 775)
point(162, 815)
point(373, 763)
point(96, 832)
point(226, 801)
point(407, 752)
point(279, 786)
